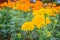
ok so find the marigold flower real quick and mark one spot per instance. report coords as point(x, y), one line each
point(3, 4)
point(27, 26)
point(55, 9)
point(54, 5)
point(11, 4)
point(48, 11)
point(38, 20)
point(23, 7)
point(39, 12)
point(36, 5)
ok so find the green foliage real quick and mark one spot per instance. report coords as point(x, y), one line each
point(11, 21)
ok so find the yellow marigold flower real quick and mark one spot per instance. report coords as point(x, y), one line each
point(27, 26)
point(55, 9)
point(39, 12)
point(48, 11)
point(38, 20)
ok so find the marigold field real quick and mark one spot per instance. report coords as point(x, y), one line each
point(29, 20)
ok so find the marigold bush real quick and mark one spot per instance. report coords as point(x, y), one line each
point(23, 20)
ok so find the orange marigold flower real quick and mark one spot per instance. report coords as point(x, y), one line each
point(55, 9)
point(3, 4)
point(11, 4)
point(37, 5)
point(22, 7)
point(54, 5)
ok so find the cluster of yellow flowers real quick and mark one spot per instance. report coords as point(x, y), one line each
point(39, 20)
point(42, 11)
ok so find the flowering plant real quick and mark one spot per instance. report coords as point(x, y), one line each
point(22, 20)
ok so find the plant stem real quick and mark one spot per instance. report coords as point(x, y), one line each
point(54, 25)
point(30, 35)
point(40, 34)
